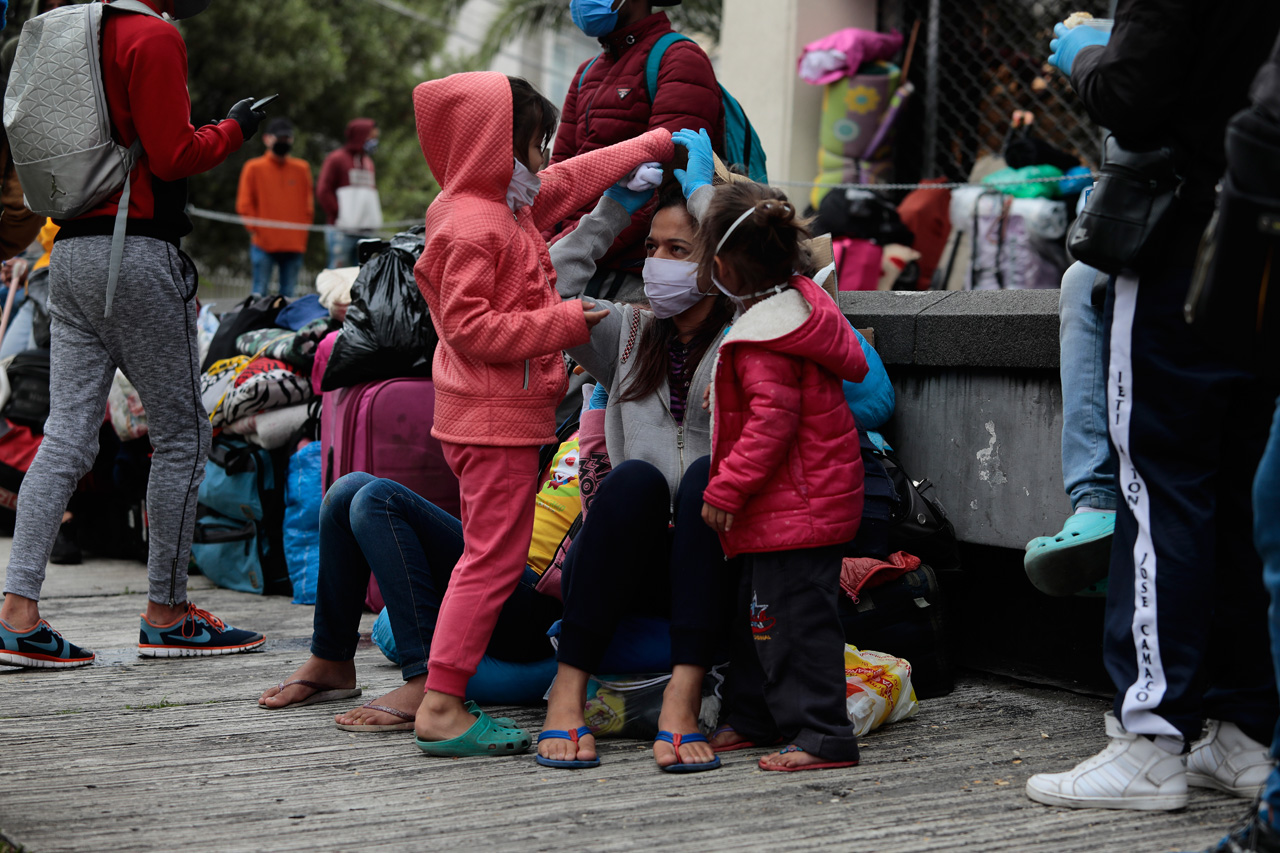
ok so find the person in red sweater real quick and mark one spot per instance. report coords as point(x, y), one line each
point(498, 371)
point(348, 192)
point(785, 488)
point(149, 332)
point(276, 186)
point(607, 103)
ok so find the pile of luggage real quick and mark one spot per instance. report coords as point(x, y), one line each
point(294, 391)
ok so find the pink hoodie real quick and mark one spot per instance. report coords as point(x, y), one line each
point(486, 273)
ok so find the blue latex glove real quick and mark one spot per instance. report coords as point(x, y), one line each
point(702, 168)
point(1069, 42)
point(630, 199)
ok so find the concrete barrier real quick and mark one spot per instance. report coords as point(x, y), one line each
point(979, 403)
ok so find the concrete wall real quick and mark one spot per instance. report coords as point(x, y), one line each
point(979, 408)
point(760, 42)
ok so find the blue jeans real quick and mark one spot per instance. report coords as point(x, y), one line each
point(263, 262)
point(1266, 536)
point(411, 547)
point(1088, 467)
point(342, 248)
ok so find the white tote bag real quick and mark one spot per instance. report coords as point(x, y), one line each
point(359, 208)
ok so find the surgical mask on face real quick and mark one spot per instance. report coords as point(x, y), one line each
point(188, 8)
point(671, 286)
point(370, 146)
point(281, 147)
point(523, 188)
point(596, 18)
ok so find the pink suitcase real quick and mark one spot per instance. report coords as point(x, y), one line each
point(384, 428)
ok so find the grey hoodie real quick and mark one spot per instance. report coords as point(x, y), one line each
point(638, 429)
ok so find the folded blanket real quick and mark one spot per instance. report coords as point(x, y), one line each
point(270, 429)
point(294, 348)
point(276, 386)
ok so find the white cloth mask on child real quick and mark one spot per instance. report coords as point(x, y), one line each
point(523, 188)
point(671, 286)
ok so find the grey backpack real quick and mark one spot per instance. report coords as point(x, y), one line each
point(58, 122)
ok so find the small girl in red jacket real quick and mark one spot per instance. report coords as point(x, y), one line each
point(498, 371)
point(786, 480)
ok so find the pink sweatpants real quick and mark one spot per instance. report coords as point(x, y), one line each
point(497, 488)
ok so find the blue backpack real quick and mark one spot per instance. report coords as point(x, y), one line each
point(238, 540)
point(741, 144)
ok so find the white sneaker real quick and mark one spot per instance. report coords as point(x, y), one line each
point(1131, 773)
point(1229, 760)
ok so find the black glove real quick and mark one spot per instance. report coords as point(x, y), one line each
point(248, 118)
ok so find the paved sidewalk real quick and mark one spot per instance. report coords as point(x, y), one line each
point(165, 755)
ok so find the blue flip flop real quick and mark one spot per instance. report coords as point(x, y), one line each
point(680, 767)
point(561, 734)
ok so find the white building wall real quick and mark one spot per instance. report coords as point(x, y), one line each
point(760, 43)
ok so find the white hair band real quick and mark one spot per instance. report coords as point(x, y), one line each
point(736, 223)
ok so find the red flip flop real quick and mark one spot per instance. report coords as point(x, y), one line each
point(829, 765)
point(734, 747)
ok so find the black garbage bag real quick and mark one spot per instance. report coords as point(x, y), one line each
point(387, 332)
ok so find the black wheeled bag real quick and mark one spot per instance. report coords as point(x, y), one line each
point(904, 617)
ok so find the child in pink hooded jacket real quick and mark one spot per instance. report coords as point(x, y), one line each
point(786, 480)
point(498, 370)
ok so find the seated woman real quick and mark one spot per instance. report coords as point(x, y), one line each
point(644, 549)
point(411, 546)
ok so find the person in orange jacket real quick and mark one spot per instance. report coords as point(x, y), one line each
point(278, 187)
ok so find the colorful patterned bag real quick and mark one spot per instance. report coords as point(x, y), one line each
point(878, 689)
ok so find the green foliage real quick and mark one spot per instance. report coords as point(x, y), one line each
point(519, 17)
point(330, 62)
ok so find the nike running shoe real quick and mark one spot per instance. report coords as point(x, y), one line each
point(41, 647)
point(196, 633)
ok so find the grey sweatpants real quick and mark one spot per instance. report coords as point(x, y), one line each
point(151, 336)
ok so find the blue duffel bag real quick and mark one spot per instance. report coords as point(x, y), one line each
point(238, 537)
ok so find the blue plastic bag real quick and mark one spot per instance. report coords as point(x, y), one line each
point(302, 496)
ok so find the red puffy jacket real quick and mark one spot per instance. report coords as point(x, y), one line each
point(607, 103)
point(785, 458)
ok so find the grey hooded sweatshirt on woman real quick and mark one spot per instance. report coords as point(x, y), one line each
point(641, 429)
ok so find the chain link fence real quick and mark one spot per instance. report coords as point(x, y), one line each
point(975, 63)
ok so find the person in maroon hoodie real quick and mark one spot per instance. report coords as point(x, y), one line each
point(607, 103)
point(348, 193)
point(147, 330)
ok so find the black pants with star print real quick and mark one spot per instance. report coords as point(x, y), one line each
point(786, 678)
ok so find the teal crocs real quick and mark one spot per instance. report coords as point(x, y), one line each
point(486, 736)
point(1076, 558)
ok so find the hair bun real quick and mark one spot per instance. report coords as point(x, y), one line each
point(775, 210)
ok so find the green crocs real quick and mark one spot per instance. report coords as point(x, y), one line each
point(1076, 558)
point(486, 736)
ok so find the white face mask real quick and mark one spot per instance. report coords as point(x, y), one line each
point(671, 286)
point(523, 188)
